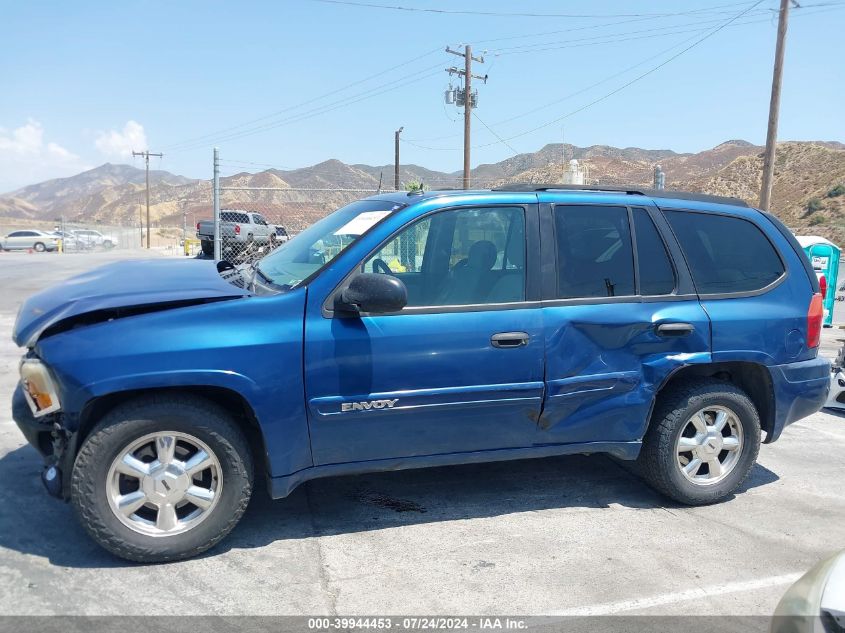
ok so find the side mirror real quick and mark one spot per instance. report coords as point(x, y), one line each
point(374, 292)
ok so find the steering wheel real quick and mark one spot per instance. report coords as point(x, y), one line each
point(380, 266)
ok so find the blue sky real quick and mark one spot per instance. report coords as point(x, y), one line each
point(87, 82)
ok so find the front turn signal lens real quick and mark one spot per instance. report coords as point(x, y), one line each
point(39, 388)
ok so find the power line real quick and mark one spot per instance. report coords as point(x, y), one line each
point(622, 87)
point(638, 78)
point(416, 141)
point(372, 5)
point(586, 27)
point(373, 92)
point(501, 140)
point(538, 45)
point(556, 101)
point(307, 102)
point(551, 46)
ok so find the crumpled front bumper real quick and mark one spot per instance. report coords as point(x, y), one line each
point(37, 431)
point(53, 443)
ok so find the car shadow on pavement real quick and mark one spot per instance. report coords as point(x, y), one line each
point(35, 524)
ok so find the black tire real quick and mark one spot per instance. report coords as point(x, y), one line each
point(658, 461)
point(39, 247)
point(107, 244)
point(133, 420)
point(207, 248)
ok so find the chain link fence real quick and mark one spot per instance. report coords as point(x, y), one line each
point(252, 221)
point(256, 220)
point(67, 237)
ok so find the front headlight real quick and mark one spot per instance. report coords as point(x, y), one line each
point(38, 387)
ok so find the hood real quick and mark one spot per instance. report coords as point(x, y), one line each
point(122, 288)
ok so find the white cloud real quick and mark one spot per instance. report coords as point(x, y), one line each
point(25, 140)
point(26, 159)
point(121, 143)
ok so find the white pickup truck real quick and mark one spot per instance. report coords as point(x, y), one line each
point(238, 230)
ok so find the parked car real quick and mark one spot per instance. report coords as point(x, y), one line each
point(422, 329)
point(816, 602)
point(38, 241)
point(91, 239)
point(69, 241)
point(238, 229)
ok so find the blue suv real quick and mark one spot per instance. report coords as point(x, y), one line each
point(423, 329)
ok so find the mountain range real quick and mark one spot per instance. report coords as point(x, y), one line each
point(809, 186)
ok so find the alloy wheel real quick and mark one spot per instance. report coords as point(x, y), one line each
point(164, 484)
point(709, 445)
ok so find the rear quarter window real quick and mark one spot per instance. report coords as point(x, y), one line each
point(725, 254)
point(232, 216)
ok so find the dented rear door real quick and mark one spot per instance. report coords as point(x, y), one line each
point(619, 314)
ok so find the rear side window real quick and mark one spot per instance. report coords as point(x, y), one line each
point(725, 254)
point(233, 216)
point(594, 253)
point(657, 277)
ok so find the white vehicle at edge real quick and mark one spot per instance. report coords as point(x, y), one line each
point(35, 240)
point(92, 238)
point(816, 602)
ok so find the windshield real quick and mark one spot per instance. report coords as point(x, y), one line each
point(320, 243)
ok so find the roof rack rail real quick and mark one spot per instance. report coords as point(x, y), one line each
point(631, 191)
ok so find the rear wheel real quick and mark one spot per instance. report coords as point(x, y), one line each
point(162, 478)
point(107, 244)
point(702, 441)
point(207, 248)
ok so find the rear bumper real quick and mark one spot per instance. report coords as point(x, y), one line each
point(800, 389)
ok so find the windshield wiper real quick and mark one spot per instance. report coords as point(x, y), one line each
point(267, 281)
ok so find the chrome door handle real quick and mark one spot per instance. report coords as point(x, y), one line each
point(675, 329)
point(508, 340)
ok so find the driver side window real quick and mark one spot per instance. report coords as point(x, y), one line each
point(458, 257)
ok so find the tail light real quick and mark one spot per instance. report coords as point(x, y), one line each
point(198, 226)
point(237, 229)
point(814, 320)
point(823, 286)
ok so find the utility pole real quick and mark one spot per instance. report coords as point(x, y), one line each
point(396, 160)
point(774, 109)
point(146, 154)
point(469, 101)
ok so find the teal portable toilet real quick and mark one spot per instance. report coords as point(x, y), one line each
point(824, 256)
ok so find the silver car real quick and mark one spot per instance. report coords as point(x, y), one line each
point(90, 239)
point(38, 241)
point(69, 241)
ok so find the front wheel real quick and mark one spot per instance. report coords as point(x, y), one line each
point(39, 247)
point(162, 478)
point(702, 441)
